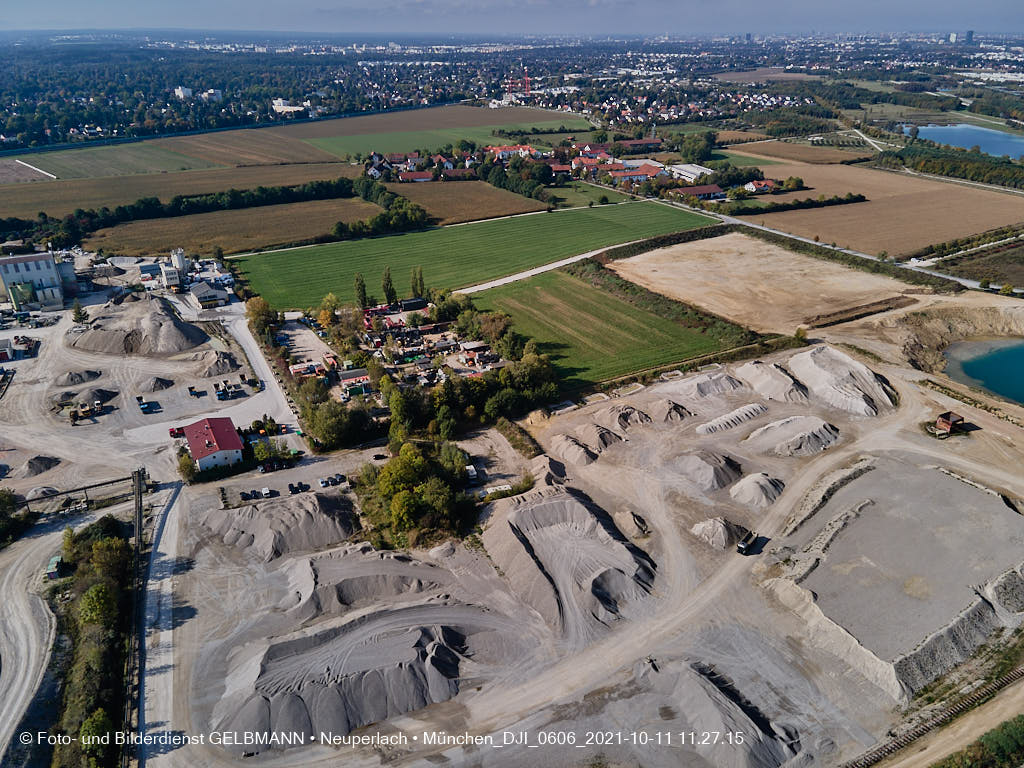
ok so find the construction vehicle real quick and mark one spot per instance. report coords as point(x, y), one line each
point(73, 416)
point(84, 410)
point(746, 543)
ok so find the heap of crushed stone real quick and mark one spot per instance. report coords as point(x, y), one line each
point(842, 382)
point(757, 490)
point(139, 325)
point(772, 381)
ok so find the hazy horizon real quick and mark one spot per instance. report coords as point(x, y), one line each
point(504, 18)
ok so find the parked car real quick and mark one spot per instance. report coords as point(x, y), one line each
point(323, 483)
point(265, 493)
point(244, 495)
point(292, 489)
point(340, 478)
point(176, 431)
point(332, 480)
point(379, 457)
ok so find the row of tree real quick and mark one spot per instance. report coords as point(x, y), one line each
point(972, 165)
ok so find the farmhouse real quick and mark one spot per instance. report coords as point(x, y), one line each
point(415, 176)
point(640, 145)
point(637, 175)
point(213, 443)
point(759, 187)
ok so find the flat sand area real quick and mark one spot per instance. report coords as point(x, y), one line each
point(903, 212)
point(754, 283)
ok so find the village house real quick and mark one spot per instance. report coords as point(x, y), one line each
point(512, 150)
point(701, 192)
point(415, 176)
point(760, 187)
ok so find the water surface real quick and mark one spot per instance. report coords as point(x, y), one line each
point(991, 141)
point(996, 365)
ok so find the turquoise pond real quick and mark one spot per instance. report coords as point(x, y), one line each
point(989, 140)
point(997, 366)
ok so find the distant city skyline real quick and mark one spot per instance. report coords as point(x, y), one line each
point(516, 17)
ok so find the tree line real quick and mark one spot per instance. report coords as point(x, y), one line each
point(973, 165)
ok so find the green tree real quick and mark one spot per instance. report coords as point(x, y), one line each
point(68, 549)
point(96, 727)
point(7, 503)
point(261, 450)
point(187, 468)
point(78, 313)
point(985, 284)
point(388, 287)
point(97, 606)
point(403, 510)
point(361, 299)
point(1006, 290)
point(260, 314)
point(110, 557)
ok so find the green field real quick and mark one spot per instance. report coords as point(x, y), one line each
point(577, 193)
point(741, 161)
point(407, 141)
point(119, 160)
point(456, 256)
point(590, 334)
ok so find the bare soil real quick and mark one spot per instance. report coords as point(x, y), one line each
point(805, 153)
point(903, 213)
point(754, 283)
point(13, 172)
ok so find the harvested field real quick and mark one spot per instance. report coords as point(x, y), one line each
point(903, 212)
point(13, 172)
point(763, 75)
point(590, 334)
point(434, 119)
point(738, 137)
point(757, 284)
point(59, 198)
point(458, 201)
point(454, 257)
point(119, 160)
point(245, 147)
point(804, 153)
point(246, 229)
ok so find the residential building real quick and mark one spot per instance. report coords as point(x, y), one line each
point(212, 95)
point(701, 192)
point(637, 175)
point(31, 278)
point(512, 150)
point(282, 107)
point(183, 93)
point(213, 443)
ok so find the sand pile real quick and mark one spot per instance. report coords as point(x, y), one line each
point(598, 437)
point(732, 419)
point(707, 470)
point(547, 471)
point(772, 381)
point(36, 466)
point(669, 411)
point(375, 667)
point(93, 394)
point(706, 703)
point(156, 384)
point(707, 384)
point(794, 436)
point(624, 417)
point(279, 526)
point(75, 378)
point(719, 533)
point(568, 561)
point(757, 490)
point(571, 450)
point(842, 382)
point(217, 363)
point(358, 575)
point(139, 325)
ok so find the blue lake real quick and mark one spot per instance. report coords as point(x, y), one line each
point(997, 366)
point(991, 141)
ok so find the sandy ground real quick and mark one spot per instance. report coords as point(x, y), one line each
point(757, 284)
point(903, 212)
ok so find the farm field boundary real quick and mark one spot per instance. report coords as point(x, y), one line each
point(454, 257)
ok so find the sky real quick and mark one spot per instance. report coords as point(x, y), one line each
point(505, 17)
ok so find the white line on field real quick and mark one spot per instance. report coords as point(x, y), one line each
point(37, 170)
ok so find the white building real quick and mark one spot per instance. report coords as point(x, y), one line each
point(170, 277)
point(688, 172)
point(179, 260)
point(213, 443)
point(282, 107)
point(212, 94)
point(183, 93)
point(31, 278)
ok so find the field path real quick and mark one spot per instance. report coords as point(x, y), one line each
point(538, 270)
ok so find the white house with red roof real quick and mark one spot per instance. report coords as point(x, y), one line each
point(213, 443)
point(759, 187)
point(511, 150)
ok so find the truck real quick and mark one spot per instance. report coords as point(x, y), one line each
point(85, 410)
point(744, 545)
